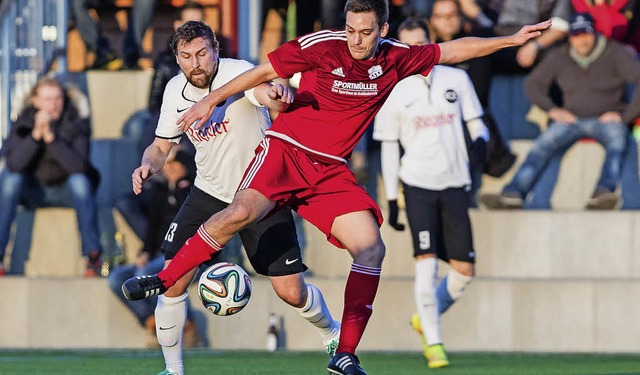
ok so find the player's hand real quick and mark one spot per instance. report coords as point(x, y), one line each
point(611, 116)
point(281, 93)
point(197, 115)
point(393, 216)
point(139, 176)
point(528, 32)
point(562, 116)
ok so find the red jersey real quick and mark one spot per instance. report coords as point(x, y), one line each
point(339, 96)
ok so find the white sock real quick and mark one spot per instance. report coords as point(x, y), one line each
point(171, 317)
point(456, 283)
point(316, 312)
point(425, 296)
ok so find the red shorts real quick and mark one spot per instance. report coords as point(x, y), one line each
point(319, 190)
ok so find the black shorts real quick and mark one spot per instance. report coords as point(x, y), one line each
point(439, 222)
point(271, 244)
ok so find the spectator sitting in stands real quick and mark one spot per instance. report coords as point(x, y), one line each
point(593, 74)
point(513, 14)
point(140, 17)
point(150, 214)
point(95, 42)
point(47, 164)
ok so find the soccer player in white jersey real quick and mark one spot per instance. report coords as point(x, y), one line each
point(302, 162)
point(224, 147)
point(426, 115)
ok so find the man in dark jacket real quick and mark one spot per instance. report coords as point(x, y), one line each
point(47, 164)
point(593, 74)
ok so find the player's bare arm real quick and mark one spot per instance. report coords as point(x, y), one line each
point(201, 111)
point(463, 49)
point(274, 96)
point(153, 160)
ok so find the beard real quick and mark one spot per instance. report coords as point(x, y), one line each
point(202, 80)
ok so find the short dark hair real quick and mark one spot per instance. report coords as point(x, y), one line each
point(433, 5)
point(189, 5)
point(190, 31)
point(379, 7)
point(413, 23)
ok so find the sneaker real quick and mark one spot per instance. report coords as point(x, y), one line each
point(168, 372)
point(3, 272)
point(107, 61)
point(94, 264)
point(331, 344)
point(436, 356)
point(415, 324)
point(602, 199)
point(503, 201)
point(140, 287)
point(345, 364)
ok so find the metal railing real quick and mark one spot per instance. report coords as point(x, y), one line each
point(32, 41)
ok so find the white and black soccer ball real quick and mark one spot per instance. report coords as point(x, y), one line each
point(224, 288)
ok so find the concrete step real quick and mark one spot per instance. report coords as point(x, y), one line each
point(494, 315)
point(516, 244)
point(114, 96)
point(509, 244)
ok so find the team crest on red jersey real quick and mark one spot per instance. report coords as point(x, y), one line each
point(375, 72)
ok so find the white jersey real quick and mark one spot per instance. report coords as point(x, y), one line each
point(425, 114)
point(225, 144)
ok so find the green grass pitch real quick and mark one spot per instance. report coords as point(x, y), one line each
point(137, 362)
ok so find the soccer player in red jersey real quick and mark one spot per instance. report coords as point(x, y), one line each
point(302, 162)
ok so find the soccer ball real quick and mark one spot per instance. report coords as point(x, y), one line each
point(224, 288)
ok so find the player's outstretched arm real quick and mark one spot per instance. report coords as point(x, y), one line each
point(274, 96)
point(202, 110)
point(463, 49)
point(153, 159)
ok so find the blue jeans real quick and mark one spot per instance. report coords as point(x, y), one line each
point(559, 137)
point(76, 192)
point(144, 308)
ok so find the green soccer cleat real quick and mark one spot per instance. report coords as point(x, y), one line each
point(331, 347)
point(435, 354)
point(168, 372)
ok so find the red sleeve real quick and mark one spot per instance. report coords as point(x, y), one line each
point(419, 60)
point(289, 59)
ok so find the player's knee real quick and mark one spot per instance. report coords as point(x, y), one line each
point(239, 214)
point(292, 296)
point(463, 268)
point(370, 255)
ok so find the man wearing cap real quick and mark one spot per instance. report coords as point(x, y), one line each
point(592, 73)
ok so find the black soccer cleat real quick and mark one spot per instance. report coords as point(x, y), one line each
point(345, 364)
point(139, 287)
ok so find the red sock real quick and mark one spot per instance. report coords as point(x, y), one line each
point(194, 252)
point(362, 285)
